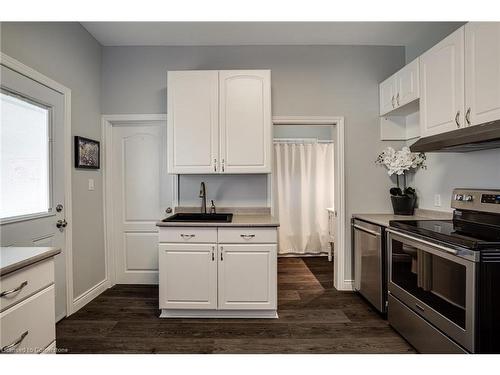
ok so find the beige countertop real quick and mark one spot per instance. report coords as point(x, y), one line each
point(384, 219)
point(239, 220)
point(15, 258)
point(242, 217)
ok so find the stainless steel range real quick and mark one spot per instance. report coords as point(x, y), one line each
point(444, 277)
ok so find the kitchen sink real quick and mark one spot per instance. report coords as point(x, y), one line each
point(199, 217)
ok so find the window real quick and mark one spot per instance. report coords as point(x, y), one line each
point(25, 159)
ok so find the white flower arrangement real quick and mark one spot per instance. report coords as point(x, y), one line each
point(400, 163)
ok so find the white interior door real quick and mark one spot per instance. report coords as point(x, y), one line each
point(141, 193)
point(32, 170)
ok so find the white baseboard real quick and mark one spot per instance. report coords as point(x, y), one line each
point(89, 295)
point(347, 285)
point(230, 314)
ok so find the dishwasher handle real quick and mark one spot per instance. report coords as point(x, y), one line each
point(366, 230)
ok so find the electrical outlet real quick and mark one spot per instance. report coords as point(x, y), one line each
point(437, 200)
point(91, 184)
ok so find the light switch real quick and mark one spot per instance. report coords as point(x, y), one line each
point(91, 184)
point(437, 200)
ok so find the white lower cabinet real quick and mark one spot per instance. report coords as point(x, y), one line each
point(188, 276)
point(218, 279)
point(247, 277)
point(27, 309)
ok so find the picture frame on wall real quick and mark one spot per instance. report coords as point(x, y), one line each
point(87, 153)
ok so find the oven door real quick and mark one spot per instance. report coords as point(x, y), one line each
point(435, 283)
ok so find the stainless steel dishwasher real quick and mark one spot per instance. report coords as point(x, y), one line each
point(369, 263)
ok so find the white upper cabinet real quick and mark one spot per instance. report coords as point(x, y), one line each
point(387, 90)
point(482, 72)
point(442, 86)
point(407, 84)
point(400, 89)
point(245, 121)
point(193, 123)
point(219, 121)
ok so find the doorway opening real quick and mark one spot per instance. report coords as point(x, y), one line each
point(307, 189)
point(303, 181)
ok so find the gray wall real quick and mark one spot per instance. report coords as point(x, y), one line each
point(306, 80)
point(480, 169)
point(67, 53)
point(433, 35)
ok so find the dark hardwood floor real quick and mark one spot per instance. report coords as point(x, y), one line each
point(313, 318)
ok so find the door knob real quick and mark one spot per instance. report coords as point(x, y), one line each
point(61, 223)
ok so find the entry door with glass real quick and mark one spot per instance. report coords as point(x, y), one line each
point(32, 170)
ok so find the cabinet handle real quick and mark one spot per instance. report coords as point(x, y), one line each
point(467, 116)
point(247, 236)
point(188, 236)
point(419, 307)
point(7, 292)
point(392, 101)
point(457, 119)
point(222, 165)
point(213, 253)
point(215, 165)
point(397, 99)
point(6, 348)
point(221, 253)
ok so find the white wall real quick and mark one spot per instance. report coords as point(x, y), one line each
point(306, 80)
point(67, 53)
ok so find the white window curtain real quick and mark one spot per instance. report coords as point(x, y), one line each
point(303, 189)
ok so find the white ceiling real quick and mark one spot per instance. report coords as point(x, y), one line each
point(264, 33)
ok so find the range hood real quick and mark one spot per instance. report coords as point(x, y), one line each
point(472, 138)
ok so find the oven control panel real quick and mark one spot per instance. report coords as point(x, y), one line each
point(490, 198)
point(476, 200)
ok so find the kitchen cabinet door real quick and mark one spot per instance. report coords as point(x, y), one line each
point(245, 121)
point(387, 92)
point(482, 72)
point(442, 86)
point(407, 84)
point(247, 277)
point(188, 276)
point(193, 124)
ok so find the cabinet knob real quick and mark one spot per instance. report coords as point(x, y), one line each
point(392, 101)
point(457, 119)
point(397, 99)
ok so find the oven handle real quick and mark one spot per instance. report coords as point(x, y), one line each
point(363, 229)
point(446, 249)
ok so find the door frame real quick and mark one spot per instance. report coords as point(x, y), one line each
point(36, 76)
point(108, 121)
point(339, 281)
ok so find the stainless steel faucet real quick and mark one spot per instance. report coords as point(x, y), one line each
point(203, 196)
